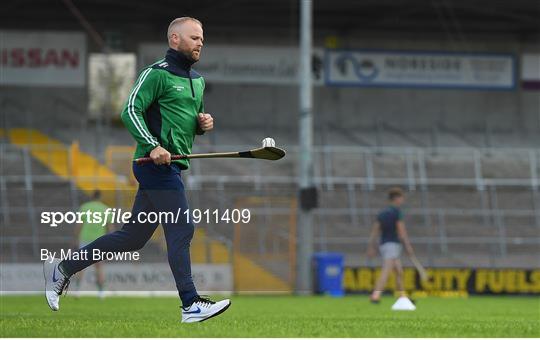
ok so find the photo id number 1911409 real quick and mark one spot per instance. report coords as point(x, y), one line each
point(217, 216)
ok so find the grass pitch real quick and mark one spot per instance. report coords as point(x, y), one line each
point(272, 316)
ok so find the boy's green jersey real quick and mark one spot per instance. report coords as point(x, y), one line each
point(91, 231)
point(163, 105)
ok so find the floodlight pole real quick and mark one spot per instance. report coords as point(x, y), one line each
point(305, 219)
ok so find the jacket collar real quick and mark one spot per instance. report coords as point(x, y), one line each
point(178, 59)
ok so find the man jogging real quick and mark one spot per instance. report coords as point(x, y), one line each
point(163, 113)
point(392, 230)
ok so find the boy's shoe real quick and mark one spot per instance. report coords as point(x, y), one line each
point(374, 301)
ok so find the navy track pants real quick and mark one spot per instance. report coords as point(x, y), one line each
point(160, 190)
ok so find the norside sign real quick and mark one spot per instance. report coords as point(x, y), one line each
point(473, 281)
point(426, 69)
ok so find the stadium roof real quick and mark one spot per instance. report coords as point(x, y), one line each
point(449, 17)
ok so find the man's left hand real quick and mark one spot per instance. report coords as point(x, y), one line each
point(206, 122)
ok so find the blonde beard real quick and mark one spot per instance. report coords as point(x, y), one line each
point(188, 54)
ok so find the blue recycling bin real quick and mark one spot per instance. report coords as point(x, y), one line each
point(328, 273)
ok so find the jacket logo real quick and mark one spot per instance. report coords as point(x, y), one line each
point(178, 87)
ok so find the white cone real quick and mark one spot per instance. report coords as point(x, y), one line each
point(403, 303)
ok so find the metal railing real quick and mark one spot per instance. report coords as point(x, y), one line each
point(416, 174)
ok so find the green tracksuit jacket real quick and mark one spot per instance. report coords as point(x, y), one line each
point(163, 105)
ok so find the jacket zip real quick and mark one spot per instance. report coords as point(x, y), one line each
point(191, 85)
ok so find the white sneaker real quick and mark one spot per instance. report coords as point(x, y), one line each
point(203, 309)
point(55, 283)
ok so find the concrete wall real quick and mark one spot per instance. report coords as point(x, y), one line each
point(249, 106)
point(42, 108)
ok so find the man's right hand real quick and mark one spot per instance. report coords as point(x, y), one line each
point(160, 156)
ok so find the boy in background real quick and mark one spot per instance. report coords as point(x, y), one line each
point(87, 232)
point(393, 235)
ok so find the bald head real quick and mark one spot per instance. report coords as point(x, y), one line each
point(176, 24)
point(185, 35)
